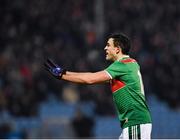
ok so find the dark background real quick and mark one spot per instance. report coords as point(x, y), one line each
point(73, 33)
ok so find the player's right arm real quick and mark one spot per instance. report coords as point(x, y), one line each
point(76, 77)
point(86, 77)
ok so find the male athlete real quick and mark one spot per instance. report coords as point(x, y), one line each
point(126, 85)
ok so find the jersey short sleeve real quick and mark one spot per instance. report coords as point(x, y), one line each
point(116, 69)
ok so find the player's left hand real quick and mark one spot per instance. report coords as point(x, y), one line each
point(54, 69)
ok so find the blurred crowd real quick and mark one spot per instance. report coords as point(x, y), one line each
point(68, 32)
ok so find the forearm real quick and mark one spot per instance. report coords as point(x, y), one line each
point(85, 77)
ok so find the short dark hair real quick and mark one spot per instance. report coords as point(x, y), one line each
point(122, 41)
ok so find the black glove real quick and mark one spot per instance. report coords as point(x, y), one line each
point(54, 69)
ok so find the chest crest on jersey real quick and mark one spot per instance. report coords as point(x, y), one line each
point(116, 85)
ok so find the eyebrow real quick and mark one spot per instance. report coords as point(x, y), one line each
point(107, 43)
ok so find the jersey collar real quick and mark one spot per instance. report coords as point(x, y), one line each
point(124, 57)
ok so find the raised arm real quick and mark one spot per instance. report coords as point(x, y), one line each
point(86, 77)
point(76, 77)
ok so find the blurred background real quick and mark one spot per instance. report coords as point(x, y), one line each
point(73, 33)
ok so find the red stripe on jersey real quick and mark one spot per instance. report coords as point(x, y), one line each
point(129, 60)
point(116, 85)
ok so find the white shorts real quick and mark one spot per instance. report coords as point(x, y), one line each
point(141, 131)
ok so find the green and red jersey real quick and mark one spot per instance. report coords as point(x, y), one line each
point(128, 92)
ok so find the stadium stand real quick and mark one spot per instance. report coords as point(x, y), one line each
point(73, 34)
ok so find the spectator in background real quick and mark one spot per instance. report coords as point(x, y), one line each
point(82, 125)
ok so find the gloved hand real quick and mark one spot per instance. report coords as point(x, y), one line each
point(54, 69)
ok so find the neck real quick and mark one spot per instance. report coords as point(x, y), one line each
point(122, 56)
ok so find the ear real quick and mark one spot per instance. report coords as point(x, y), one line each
point(118, 50)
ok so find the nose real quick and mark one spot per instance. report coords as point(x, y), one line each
point(105, 48)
